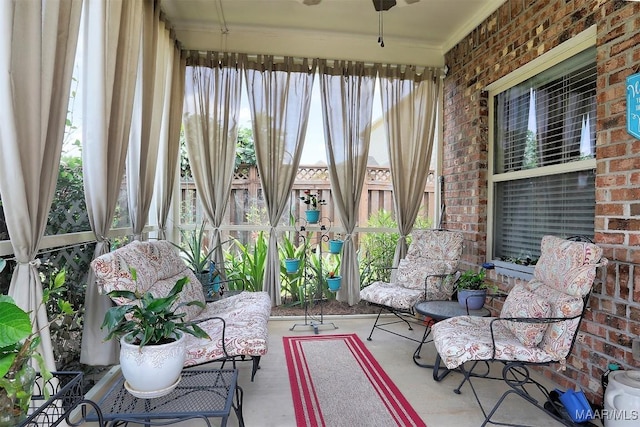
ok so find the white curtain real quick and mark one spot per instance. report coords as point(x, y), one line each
point(37, 52)
point(279, 97)
point(170, 137)
point(112, 30)
point(213, 85)
point(347, 102)
point(142, 157)
point(410, 102)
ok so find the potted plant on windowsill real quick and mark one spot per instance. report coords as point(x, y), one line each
point(472, 289)
point(313, 202)
point(151, 332)
point(19, 347)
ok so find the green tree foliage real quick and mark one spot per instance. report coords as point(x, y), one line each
point(245, 149)
point(530, 156)
point(68, 212)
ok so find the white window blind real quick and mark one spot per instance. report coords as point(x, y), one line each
point(561, 205)
point(540, 125)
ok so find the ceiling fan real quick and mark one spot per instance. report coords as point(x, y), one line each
point(379, 5)
point(382, 5)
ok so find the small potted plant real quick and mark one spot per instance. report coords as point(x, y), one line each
point(313, 202)
point(335, 245)
point(333, 281)
point(18, 346)
point(292, 265)
point(472, 289)
point(151, 332)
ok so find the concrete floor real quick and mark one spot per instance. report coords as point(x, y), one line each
point(268, 401)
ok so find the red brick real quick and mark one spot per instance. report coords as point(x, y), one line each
point(518, 32)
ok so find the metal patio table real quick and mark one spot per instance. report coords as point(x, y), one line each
point(200, 394)
point(437, 311)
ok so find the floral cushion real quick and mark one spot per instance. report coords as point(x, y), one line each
point(523, 303)
point(435, 244)
point(422, 260)
point(391, 295)
point(559, 335)
point(246, 316)
point(464, 338)
point(563, 275)
point(567, 265)
point(412, 274)
point(158, 267)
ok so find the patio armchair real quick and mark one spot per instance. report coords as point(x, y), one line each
point(538, 326)
point(425, 273)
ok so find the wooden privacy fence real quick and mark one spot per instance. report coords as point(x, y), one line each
point(247, 203)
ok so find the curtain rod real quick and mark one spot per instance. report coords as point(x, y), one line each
point(331, 62)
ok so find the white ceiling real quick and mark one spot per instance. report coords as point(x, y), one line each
point(420, 32)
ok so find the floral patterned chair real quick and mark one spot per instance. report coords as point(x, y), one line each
point(537, 326)
point(237, 324)
point(425, 273)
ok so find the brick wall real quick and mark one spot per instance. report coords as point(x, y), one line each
point(518, 32)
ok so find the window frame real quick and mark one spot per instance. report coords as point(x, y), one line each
point(575, 45)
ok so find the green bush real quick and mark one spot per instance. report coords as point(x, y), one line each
point(247, 263)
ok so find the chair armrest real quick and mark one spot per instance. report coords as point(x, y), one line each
point(548, 320)
point(224, 328)
point(455, 276)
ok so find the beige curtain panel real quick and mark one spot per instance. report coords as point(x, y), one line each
point(213, 87)
point(37, 53)
point(347, 91)
point(112, 29)
point(279, 97)
point(168, 155)
point(410, 100)
point(144, 138)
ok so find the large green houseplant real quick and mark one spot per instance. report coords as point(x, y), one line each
point(19, 347)
point(151, 332)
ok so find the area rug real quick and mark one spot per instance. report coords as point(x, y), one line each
point(335, 381)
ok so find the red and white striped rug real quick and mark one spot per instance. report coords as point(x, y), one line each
point(335, 381)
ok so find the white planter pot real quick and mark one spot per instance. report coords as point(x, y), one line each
point(153, 370)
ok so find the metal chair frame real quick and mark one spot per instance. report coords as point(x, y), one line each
point(516, 375)
point(407, 316)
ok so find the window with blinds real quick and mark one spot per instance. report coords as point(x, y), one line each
point(544, 135)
